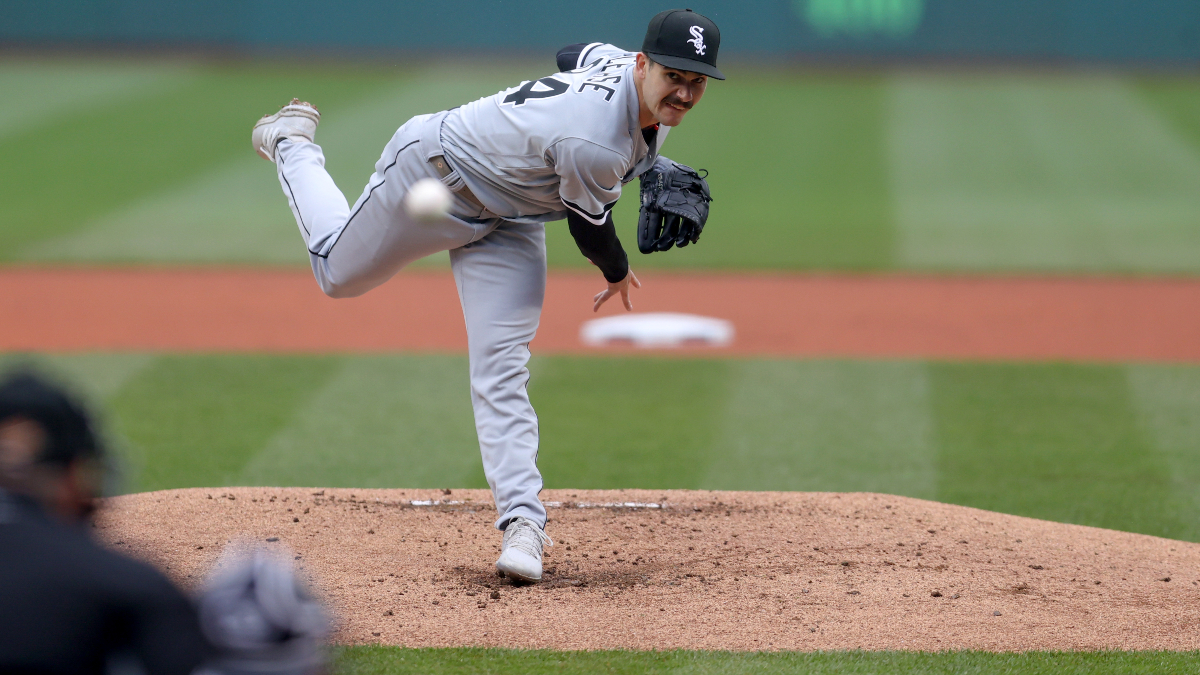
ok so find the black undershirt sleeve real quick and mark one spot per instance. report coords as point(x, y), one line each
point(569, 56)
point(599, 243)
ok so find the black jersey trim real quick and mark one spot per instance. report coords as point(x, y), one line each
point(292, 193)
point(594, 218)
point(364, 202)
point(587, 50)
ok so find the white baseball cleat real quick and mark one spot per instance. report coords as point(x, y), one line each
point(521, 555)
point(297, 119)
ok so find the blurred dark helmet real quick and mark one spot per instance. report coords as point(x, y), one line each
point(41, 424)
point(48, 449)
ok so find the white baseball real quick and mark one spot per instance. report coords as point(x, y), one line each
point(428, 200)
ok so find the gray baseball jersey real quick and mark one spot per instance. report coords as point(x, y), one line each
point(569, 140)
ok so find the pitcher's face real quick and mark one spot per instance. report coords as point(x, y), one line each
point(668, 94)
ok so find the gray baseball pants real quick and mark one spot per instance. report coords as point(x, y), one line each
point(499, 267)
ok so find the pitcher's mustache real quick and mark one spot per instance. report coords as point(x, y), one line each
point(678, 102)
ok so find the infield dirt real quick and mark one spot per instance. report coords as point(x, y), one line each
point(697, 570)
point(1073, 319)
point(701, 570)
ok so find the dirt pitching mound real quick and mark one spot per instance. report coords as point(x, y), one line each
point(697, 570)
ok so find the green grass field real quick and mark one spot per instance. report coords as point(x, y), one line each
point(147, 161)
point(486, 661)
point(965, 171)
point(1110, 446)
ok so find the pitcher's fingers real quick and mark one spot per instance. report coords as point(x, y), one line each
point(634, 280)
point(625, 299)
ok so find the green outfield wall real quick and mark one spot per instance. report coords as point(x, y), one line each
point(1151, 32)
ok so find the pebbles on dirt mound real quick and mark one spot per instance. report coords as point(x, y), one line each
point(695, 570)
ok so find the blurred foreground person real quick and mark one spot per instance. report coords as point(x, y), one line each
point(68, 605)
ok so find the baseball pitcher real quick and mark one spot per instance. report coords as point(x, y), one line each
point(559, 147)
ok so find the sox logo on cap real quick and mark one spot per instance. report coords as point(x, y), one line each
point(684, 40)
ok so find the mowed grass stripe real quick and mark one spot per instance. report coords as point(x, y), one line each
point(837, 171)
point(800, 183)
point(1177, 100)
point(93, 377)
point(840, 426)
point(368, 660)
point(66, 172)
point(628, 422)
point(195, 421)
point(168, 176)
point(1110, 446)
point(1059, 442)
point(40, 90)
point(1167, 399)
point(378, 422)
point(237, 212)
point(1069, 173)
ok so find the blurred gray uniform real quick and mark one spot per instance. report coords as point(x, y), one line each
point(514, 160)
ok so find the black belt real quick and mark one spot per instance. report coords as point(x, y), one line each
point(443, 168)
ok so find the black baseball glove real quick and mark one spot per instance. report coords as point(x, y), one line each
point(674, 206)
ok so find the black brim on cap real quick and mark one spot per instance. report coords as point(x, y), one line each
point(680, 63)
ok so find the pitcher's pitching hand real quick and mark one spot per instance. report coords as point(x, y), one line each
point(621, 287)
